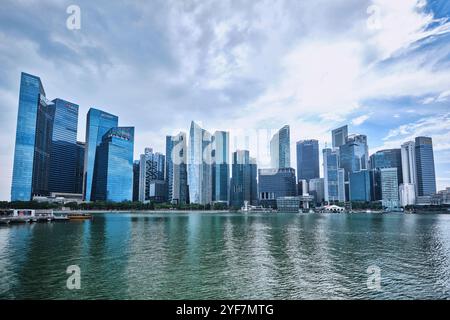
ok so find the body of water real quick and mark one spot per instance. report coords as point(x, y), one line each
point(230, 256)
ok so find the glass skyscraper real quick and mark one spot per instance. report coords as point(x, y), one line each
point(308, 160)
point(113, 173)
point(388, 158)
point(426, 177)
point(31, 90)
point(79, 167)
point(339, 136)
point(243, 182)
point(334, 181)
point(389, 188)
point(152, 168)
point(63, 156)
point(280, 150)
point(275, 183)
point(199, 165)
point(354, 155)
point(360, 187)
point(136, 167)
point(176, 168)
point(220, 166)
point(97, 124)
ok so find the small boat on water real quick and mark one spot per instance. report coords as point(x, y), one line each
point(79, 216)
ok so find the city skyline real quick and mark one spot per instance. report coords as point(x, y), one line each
point(225, 87)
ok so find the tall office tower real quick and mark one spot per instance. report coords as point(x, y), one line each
point(63, 161)
point(31, 91)
point(302, 187)
point(308, 160)
point(220, 166)
point(339, 136)
point(354, 155)
point(176, 169)
point(280, 150)
point(334, 187)
point(388, 158)
point(426, 178)
point(408, 190)
point(389, 188)
point(80, 147)
point(243, 186)
point(360, 187)
point(136, 175)
point(152, 168)
point(317, 190)
point(275, 183)
point(375, 184)
point(97, 124)
point(113, 172)
point(199, 165)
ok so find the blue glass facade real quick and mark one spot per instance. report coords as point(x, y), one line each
point(308, 160)
point(113, 174)
point(354, 155)
point(360, 186)
point(97, 124)
point(426, 177)
point(275, 183)
point(30, 91)
point(63, 156)
point(334, 188)
point(389, 158)
point(243, 186)
point(176, 168)
point(220, 166)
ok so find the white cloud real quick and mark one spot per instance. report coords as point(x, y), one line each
point(360, 120)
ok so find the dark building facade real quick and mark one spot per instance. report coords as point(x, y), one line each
point(308, 160)
point(243, 186)
point(275, 183)
point(426, 176)
point(389, 158)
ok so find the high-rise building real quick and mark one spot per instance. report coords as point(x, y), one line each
point(97, 124)
point(360, 188)
point(334, 182)
point(375, 184)
point(243, 186)
point(152, 168)
point(388, 158)
point(339, 136)
point(136, 174)
point(275, 183)
point(407, 194)
point(408, 155)
point(200, 165)
point(45, 158)
point(308, 160)
point(220, 166)
point(280, 150)
point(31, 91)
point(354, 154)
point(176, 169)
point(113, 172)
point(389, 188)
point(426, 178)
point(63, 160)
point(79, 167)
point(317, 190)
point(302, 187)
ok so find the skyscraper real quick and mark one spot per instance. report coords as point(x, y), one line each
point(136, 167)
point(152, 168)
point(113, 173)
point(243, 182)
point(176, 169)
point(334, 188)
point(220, 166)
point(360, 188)
point(339, 136)
point(426, 178)
point(200, 165)
point(308, 159)
point(97, 124)
point(275, 183)
point(79, 167)
point(388, 158)
point(354, 154)
point(31, 91)
point(280, 150)
point(317, 190)
point(63, 161)
point(389, 188)
point(408, 190)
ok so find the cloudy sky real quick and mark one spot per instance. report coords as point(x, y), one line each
point(381, 66)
